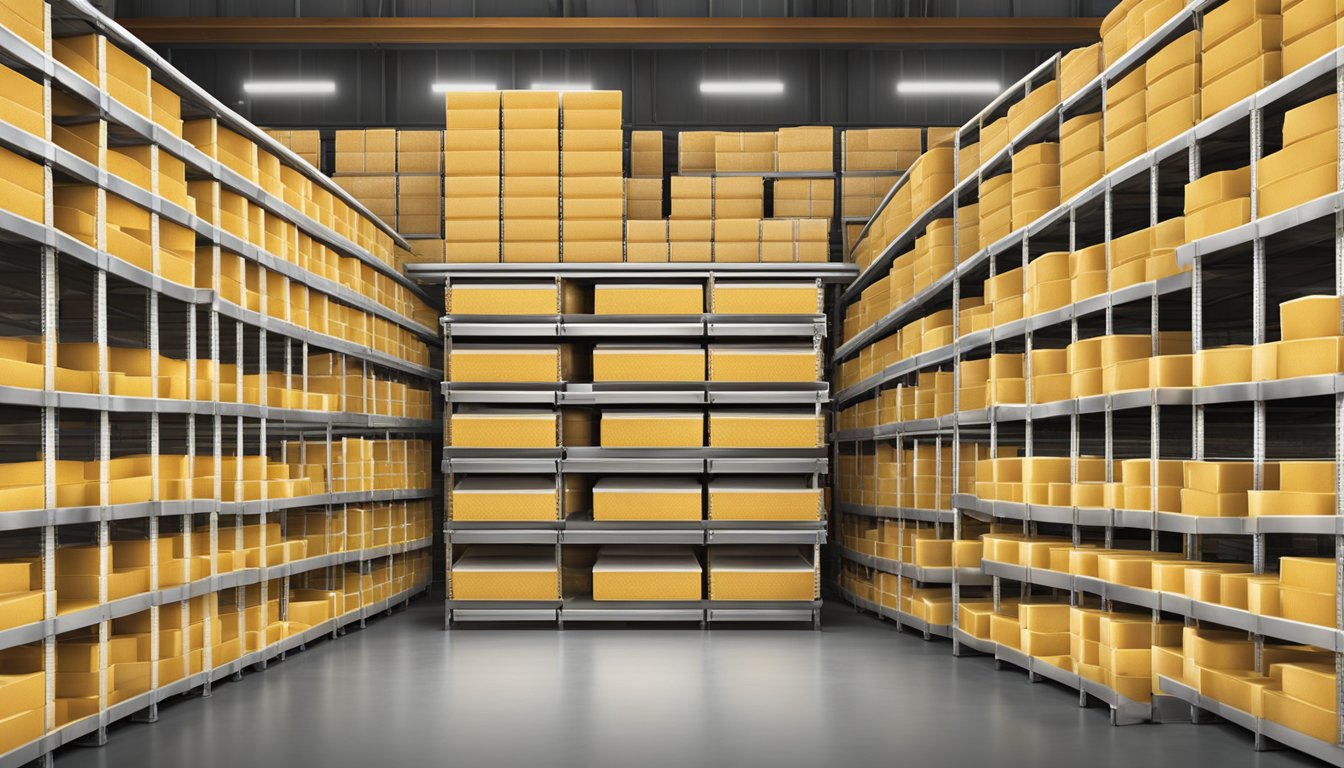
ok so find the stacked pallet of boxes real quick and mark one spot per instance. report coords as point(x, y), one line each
point(615, 473)
point(530, 163)
point(165, 547)
point(1157, 555)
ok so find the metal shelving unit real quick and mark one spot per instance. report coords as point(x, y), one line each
point(63, 290)
point(578, 528)
point(1281, 418)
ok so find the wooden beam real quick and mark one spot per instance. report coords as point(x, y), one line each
point(810, 31)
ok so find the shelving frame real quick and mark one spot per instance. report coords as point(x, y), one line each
point(700, 462)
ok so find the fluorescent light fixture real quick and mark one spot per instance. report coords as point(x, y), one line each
point(562, 86)
point(289, 87)
point(741, 87)
point(446, 87)
point(947, 87)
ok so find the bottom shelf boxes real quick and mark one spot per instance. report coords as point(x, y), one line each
point(647, 574)
point(506, 573)
point(760, 573)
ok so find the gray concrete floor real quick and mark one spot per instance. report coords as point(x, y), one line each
point(404, 693)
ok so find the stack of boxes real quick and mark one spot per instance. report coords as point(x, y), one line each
point(644, 188)
point(1124, 118)
point(1035, 182)
point(305, 144)
point(1172, 90)
point(806, 199)
point(366, 166)
point(1311, 29)
point(471, 168)
point(591, 187)
point(807, 149)
point(1081, 160)
point(1217, 202)
point(744, 152)
point(696, 151)
point(1240, 44)
point(419, 183)
point(1308, 165)
point(691, 229)
point(531, 176)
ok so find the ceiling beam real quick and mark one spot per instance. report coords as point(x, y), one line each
point(620, 31)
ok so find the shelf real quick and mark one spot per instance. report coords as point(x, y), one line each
point(164, 405)
point(765, 174)
point(87, 617)
point(588, 531)
point(968, 577)
point(900, 617)
point(1317, 525)
point(979, 339)
point(36, 518)
point(827, 272)
point(946, 516)
point(637, 326)
point(640, 393)
point(1269, 626)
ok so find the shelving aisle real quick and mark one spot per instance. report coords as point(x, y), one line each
point(1089, 393)
point(669, 490)
point(216, 385)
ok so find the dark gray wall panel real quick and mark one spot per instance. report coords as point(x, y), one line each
point(845, 87)
point(728, 8)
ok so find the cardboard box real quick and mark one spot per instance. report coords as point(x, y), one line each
point(643, 574)
point(652, 429)
point(647, 498)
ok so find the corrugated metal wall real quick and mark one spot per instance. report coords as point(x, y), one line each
point(612, 7)
point(828, 86)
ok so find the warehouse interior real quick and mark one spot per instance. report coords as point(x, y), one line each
point(689, 382)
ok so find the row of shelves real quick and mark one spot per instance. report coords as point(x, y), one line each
point(78, 16)
point(1325, 385)
point(1086, 99)
point(1285, 92)
point(1167, 602)
point(30, 233)
point(243, 577)
point(82, 170)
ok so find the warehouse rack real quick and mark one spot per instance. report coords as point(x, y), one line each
point(1170, 422)
point(64, 293)
point(579, 528)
